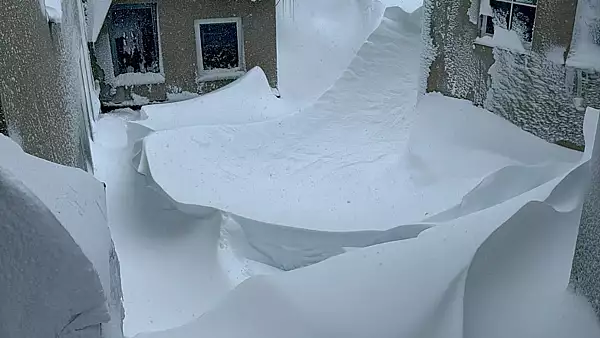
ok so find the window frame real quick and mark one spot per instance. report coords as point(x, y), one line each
point(153, 6)
point(219, 74)
point(484, 18)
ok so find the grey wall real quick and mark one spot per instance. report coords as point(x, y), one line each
point(34, 89)
point(178, 43)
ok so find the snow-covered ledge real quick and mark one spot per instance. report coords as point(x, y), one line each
point(53, 10)
point(504, 39)
point(137, 79)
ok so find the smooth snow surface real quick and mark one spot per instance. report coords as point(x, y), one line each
point(249, 99)
point(95, 15)
point(54, 10)
point(77, 203)
point(585, 49)
point(499, 270)
point(342, 173)
point(317, 43)
point(174, 267)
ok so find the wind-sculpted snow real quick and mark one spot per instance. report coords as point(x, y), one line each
point(500, 271)
point(75, 260)
point(343, 173)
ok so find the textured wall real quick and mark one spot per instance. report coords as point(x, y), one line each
point(33, 87)
point(178, 41)
point(533, 91)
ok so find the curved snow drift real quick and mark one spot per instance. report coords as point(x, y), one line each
point(343, 172)
point(501, 271)
point(74, 248)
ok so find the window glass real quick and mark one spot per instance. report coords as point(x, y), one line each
point(219, 45)
point(523, 19)
point(134, 39)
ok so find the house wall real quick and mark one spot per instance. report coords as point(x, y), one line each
point(34, 88)
point(534, 90)
point(178, 44)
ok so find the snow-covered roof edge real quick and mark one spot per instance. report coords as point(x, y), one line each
point(96, 14)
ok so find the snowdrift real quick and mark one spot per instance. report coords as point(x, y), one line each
point(343, 173)
point(68, 255)
point(492, 271)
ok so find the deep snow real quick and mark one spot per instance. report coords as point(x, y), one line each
point(299, 186)
point(72, 264)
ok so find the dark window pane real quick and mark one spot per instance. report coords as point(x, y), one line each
point(219, 46)
point(135, 40)
point(522, 21)
point(501, 13)
point(489, 28)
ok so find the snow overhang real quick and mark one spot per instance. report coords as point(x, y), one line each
point(96, 14)
point(53, 10)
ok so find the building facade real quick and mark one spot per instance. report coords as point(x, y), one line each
point(530, 61)
point(146, 49)
point(44, 104)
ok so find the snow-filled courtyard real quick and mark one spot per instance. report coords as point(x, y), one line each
point(346, 203)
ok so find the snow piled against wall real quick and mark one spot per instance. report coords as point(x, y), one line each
point(517, 78)
point(77, 201)
point(54, 10)
point(585, 49)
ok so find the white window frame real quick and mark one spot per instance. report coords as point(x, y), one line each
point(484, 18)
point(219, 74)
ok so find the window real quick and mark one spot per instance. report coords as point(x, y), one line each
point(134, 39)
point(515, 15)
point(220, 47)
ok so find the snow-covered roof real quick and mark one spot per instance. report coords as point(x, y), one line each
point(585, 48)
point(96, 13)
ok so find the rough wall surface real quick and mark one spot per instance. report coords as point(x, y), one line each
point(33, 89)
point(531, 90)
point(178, 44)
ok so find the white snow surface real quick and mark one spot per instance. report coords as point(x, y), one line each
point(249, 99)
point(95, 16)
point(54, 10)
point(77, 202)
point(494, 268)
point(343, 173)
point(135, 79)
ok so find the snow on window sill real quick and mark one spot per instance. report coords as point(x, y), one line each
point(133, 79)
point(489, 41)
point(215, 75)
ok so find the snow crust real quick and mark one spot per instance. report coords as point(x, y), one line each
point(499, 270)
point(73, 259)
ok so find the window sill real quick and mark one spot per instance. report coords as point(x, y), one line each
point(208, 76)
point(489, 41)
point(138, 79)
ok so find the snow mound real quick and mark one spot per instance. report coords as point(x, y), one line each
point(502, 271)
point(343, 172)
point(77, 201)
point(246, 100)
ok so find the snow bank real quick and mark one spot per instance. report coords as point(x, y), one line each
point(77, 201)
point(502, 271)
point(249, 99)
point(343, 172)
point(317, 42)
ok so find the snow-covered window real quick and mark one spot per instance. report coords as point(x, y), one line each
point(134, 38)
point(219, 46)
point(515, 15)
